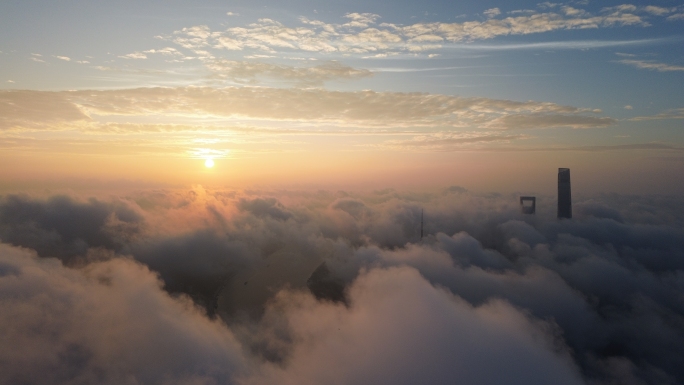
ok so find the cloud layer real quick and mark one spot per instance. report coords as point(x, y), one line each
point(306, 106)
point(198, 286)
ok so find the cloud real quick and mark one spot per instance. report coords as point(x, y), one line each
point(658, 11)
point(651, 65)
point(677, 113)
point(335, 109)
point(63, 228)
point(449, 141)
point(311, 104)
point(653, 146)
point(192, 37)
point(65, 58)
point(568, 44)
point(487, 292)
point(130, 70)
point(315, 75)
point(492, 12)
point(362, 20)
point(570, 11)
point(265, 207)
point(675, 17)
point(531, 121)
point(134, 55)
point(168, 51)
point(636, 146)
point(375, 339)
point(36, 109)
point(109, 323)
point(363, 35)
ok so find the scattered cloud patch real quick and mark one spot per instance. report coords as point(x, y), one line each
point(530, 121)
point(492, 12)
point(134, 55)
point(362, 34)
point(658, 11)
point(652, 65)
point(168, 51)
point(677, 113)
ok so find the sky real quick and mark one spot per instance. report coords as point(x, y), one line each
point(328, 192)
point(491, 96)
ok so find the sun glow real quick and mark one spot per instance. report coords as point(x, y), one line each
point(209, 163)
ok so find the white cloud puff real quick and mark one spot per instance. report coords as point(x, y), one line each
point(492, 12)
point(109, 323)
point(134, 55)
point(396, 313)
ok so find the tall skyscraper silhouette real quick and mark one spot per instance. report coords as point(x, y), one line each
point(564, 197)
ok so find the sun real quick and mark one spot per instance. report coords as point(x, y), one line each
point(209, 163)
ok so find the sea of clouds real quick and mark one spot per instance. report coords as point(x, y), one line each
point(205, 286)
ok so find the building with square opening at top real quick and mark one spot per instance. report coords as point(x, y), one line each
point(528, 205)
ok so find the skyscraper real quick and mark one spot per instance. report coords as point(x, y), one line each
point(528, 205)
point(564, 197)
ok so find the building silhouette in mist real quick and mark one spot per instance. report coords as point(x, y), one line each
point(564, 196)
point(528, 209)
